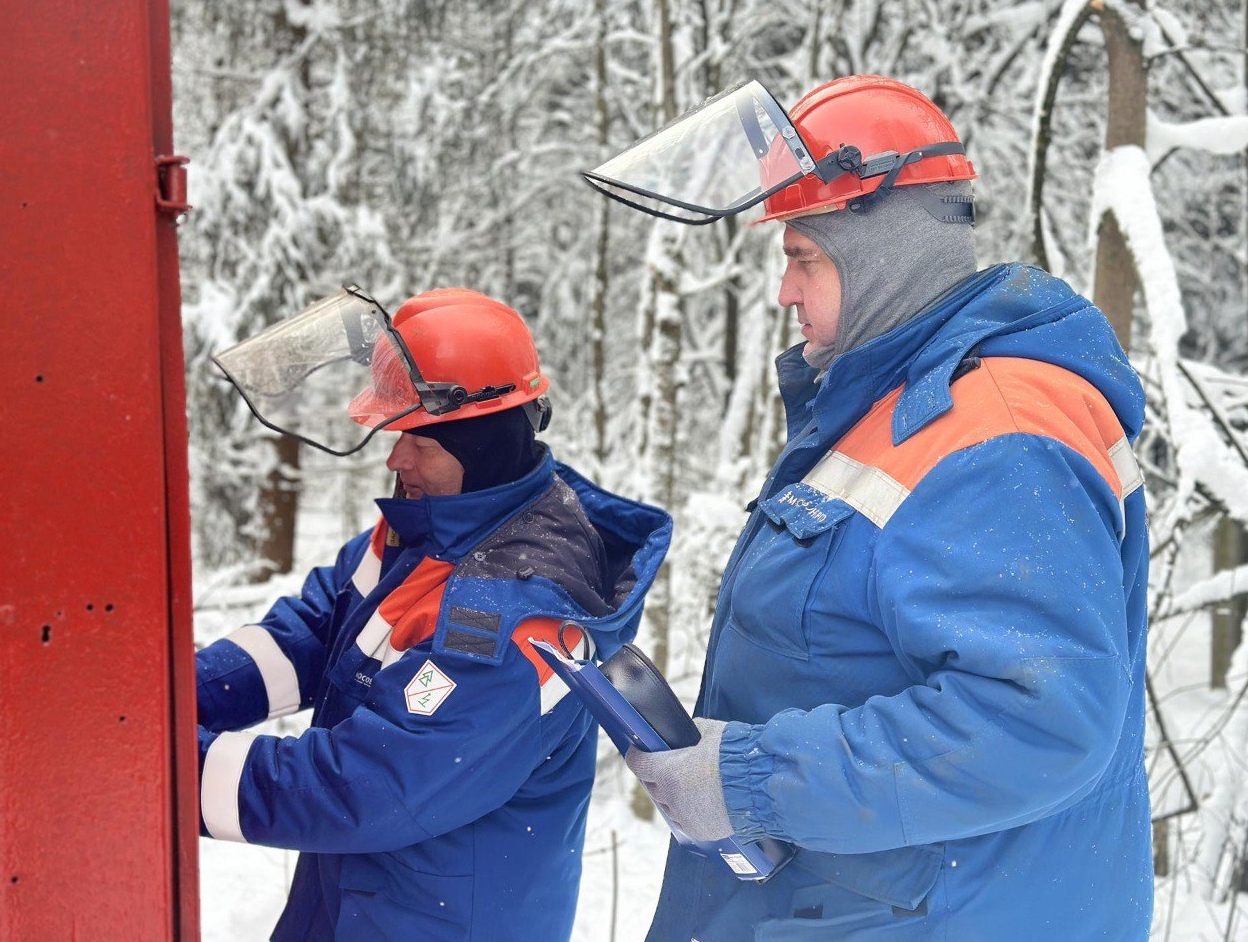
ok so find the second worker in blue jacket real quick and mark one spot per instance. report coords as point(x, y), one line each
point(926, 668)
point(441, 791)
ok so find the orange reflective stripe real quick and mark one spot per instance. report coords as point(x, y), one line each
point(407, 615)
point(413, 607)
point(547, 629)
point(377, 542)
point(1005, 395)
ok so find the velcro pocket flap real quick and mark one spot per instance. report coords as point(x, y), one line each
point(805, 511)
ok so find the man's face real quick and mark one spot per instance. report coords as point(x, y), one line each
point(812, 283)
point(424, 467)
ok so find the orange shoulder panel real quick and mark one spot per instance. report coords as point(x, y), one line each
point(377, 542)
point(543, 629)
point(1007, 394)
point(413, 607)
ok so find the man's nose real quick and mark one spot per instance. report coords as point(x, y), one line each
point(398, 454)
point(789, 293)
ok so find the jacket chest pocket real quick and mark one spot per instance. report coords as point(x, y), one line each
point(772, 586)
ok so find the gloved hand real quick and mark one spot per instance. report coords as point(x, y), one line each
point(685, 783)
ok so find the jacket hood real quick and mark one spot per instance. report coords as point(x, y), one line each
point(576, 552)
point(1020, 311)
point(1007, 310)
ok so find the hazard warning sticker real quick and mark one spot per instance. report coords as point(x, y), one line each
point(428, 690)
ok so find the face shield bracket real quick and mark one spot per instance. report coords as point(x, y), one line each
point(689, 171)
point(435, 398)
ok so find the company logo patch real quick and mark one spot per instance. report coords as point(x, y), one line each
point(428, 690)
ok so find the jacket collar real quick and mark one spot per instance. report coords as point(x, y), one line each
point(450, 526)
point(923, 352)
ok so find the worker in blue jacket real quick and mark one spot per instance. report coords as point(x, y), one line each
point(441, 791)
point(926, 668)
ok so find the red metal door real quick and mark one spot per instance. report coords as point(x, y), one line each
point(98, 820)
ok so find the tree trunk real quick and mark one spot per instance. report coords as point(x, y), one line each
point(1161, 848)
point(662, 326)
point(598, 302)
point(1230, 544)
point(279, 503)
point(1116, 277)
point(732, 311)
point(663, 321)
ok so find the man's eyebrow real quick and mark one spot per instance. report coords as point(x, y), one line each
point(801, 253)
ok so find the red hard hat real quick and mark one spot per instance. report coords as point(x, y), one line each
point(863, 116)
point(456, 337)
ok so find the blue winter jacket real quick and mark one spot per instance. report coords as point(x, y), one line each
point(442, 789)
point(930, 641)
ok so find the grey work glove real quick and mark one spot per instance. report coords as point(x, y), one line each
point(685, 783)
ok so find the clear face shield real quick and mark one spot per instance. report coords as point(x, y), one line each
point(722, 157)
point(334, 374)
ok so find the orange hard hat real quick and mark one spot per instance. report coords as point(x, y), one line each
point(459, 354)
point(845, 144)
point(854, 120)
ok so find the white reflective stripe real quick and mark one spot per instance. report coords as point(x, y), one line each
point(281, 681)
point(367, 572)
point(218, 787)
point(390, 654)
point(555, 689)
point(373, 635)
point(1129, 474)
point(868, 490)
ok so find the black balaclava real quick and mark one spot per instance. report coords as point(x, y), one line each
point(494, 449)
point(893, 260)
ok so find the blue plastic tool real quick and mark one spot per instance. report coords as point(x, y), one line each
point(620, 713)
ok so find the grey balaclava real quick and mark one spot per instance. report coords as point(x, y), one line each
point(893, 258)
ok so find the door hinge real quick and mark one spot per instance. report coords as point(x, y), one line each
point(171, 185)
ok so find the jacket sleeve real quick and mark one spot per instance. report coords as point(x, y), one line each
point(438, 743)
point(999, 581)
point(272, 669)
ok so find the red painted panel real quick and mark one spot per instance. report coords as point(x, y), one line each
point(97, 823)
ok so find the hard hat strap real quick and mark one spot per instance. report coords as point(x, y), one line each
point(845, 159)
point(891, 164)
point(944, 208)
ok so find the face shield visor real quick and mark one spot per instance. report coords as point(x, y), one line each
point(722, 157)
point(334, 374)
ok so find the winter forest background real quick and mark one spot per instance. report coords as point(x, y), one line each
point(412, 144)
